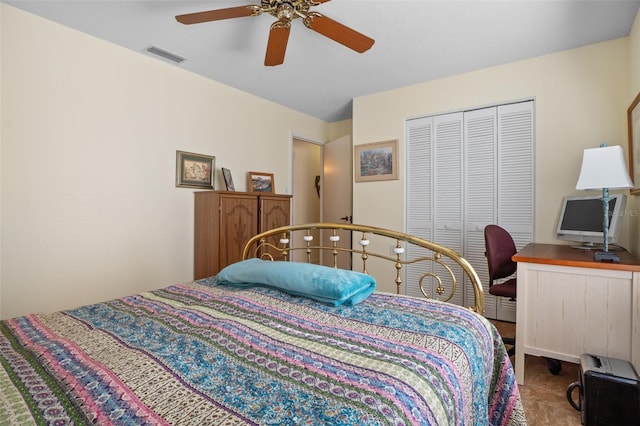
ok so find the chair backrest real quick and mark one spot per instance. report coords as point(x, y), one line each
point(499, 249)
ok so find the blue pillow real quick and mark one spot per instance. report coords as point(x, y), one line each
point(332, 286)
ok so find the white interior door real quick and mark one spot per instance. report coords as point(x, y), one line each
point(336, 190)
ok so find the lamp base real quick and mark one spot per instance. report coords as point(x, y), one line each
point(606, 256)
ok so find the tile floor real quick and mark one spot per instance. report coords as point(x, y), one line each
point(544, 395)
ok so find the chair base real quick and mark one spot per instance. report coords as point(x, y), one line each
point(554, 366)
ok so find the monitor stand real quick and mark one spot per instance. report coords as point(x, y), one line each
point(606, 256)
point(588, 246)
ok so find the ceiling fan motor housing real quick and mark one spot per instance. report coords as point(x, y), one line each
point(287, 9)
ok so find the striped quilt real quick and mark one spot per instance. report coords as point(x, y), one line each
point(203, 354)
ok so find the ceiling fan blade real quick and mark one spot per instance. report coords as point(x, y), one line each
point(277, 44)
point(337, 32)
point(219, 14)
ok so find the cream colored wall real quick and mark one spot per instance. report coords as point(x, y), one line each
point(634, 84)
point(337, 129)
point(89, 133)
point(581, 96)
point(634, 58)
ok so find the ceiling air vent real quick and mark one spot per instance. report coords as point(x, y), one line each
point(164, 54)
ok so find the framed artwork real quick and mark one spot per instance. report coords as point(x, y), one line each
point(260, 182)
point(633, 122)
point(194, 170)
point(228, 180)
point(376, 161)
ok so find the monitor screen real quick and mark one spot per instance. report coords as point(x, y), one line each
point(581, 218)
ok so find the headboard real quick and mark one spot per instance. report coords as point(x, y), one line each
point(433, 265)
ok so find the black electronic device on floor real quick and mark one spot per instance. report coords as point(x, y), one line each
point(609, 392)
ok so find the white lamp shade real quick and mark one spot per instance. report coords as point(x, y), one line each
point(604, 167)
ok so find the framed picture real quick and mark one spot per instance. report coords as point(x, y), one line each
point(261, 182)
point(194, 170)
point(228, 180)
point(633, 122)
point(377, 161)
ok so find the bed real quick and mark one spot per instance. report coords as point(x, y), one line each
point(266, 341)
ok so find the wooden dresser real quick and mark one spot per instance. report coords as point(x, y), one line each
point(224, 222)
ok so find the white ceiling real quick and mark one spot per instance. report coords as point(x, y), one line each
point(415, 41)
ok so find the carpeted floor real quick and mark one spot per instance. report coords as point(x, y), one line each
point(544, 395)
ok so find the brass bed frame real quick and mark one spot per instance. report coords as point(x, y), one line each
point(435, 263)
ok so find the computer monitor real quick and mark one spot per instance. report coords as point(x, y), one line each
point(581, 219)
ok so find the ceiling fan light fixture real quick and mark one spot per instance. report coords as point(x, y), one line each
point(285, 11)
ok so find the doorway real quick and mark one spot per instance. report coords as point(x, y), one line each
point(306, 184)
point(322, 187)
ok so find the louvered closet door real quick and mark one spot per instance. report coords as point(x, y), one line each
point(419, 194)
point(434, 192)
point(515, 181)
point(498, 187)
point(448, 187)
point(481, 198)
point(465, 171)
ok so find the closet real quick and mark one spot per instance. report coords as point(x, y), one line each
point(466, 170)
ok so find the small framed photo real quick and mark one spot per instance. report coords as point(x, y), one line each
point(376, 161)
point(194, 170)
point(228, 180)
point(260, 182)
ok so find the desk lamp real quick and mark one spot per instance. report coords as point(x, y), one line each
point(604, 168)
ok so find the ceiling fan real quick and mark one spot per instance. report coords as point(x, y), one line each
point(286, 11)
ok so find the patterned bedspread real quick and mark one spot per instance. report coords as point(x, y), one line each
point(202, 354)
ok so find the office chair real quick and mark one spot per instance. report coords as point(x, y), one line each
point(499, 249)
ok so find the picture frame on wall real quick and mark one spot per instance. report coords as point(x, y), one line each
point(633, 122)
point(195, 170)
point(228, 180)
point(261, 182)
point(376, 161)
